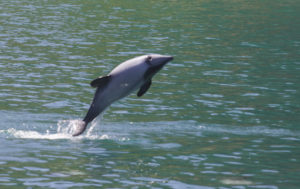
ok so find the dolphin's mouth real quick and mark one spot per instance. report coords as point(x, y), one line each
point(171, 58)
point(165, 60)
point(168, 59)
point(162, 59)
point(154, 69)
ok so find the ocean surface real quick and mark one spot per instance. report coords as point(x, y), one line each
point(225, 113)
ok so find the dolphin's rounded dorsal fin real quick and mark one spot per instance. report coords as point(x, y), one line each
point(101, 81)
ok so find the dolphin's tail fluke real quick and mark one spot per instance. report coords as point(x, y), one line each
point(80, 128)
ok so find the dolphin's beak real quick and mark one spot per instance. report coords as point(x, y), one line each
point(169, 58)
point(166, 59)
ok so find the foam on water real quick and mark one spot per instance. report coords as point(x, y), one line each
point(65, 129)
point(36, 135)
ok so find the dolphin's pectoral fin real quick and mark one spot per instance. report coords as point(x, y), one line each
point(144, 88)
point(101, 81)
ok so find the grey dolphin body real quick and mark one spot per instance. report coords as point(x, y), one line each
point(130, 75)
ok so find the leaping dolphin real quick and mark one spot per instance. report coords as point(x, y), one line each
point(128, 76)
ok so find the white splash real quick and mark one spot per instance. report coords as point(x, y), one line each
point(67, 126)
point(36, 135)
point(65, 129)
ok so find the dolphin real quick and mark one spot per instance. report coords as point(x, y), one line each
point(127, 77)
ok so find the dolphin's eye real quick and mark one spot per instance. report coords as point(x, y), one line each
point(149, 59)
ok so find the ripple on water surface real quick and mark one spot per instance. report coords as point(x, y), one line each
point(153, 154)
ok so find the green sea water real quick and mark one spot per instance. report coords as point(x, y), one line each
point(225, 113)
